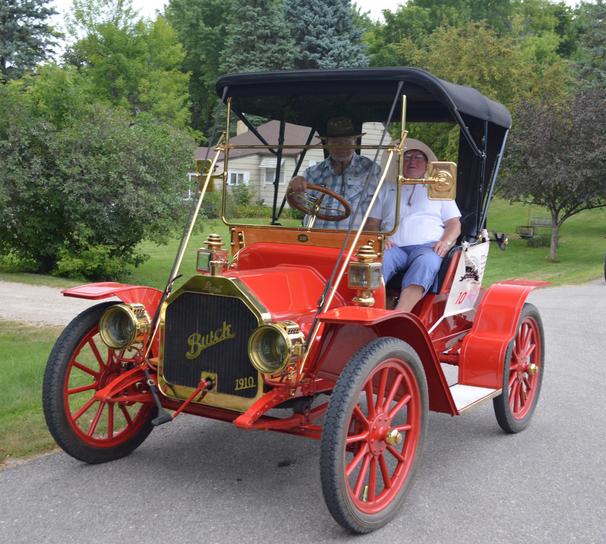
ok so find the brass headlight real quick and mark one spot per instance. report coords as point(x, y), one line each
point(271, 347)
point(122, 325)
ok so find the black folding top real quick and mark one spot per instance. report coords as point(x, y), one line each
point(294, 95)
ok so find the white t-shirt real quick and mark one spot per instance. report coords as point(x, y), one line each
point(421, 222)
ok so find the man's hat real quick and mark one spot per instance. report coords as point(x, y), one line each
point(337, 127)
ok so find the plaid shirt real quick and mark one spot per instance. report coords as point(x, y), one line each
point(349, 185)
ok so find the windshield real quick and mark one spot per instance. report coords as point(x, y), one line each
point(300, 176)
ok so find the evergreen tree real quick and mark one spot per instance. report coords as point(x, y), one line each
point(325, 34)
point(258, 38)
point(26, 38)
point(591, 62)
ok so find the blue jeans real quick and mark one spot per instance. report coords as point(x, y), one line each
point(420, 263)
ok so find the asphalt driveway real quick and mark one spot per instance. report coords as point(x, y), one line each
point(203, 481)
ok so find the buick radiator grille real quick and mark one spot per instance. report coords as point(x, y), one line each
point(209, 333)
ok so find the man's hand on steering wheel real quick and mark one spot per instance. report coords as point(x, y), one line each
point(297, 184)
point(300, 196)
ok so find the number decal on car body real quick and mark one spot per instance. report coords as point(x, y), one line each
point(248, 382)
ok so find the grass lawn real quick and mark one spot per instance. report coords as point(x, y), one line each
point(580, 255)
point(24, 349)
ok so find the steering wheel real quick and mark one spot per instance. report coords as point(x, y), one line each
point(314, 206)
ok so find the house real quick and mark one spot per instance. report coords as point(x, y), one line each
point(257, 167)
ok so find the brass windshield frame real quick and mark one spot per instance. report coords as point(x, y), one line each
point(227, 146)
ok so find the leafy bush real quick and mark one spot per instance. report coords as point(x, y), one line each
point(242, 195)
point(77, 198)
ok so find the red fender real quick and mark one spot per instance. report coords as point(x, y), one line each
point(483, 349)
point(148, 296)
point(349, 328)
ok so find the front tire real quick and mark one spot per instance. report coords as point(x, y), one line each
point(380, 398)
point(522, 373)
point(79, 365)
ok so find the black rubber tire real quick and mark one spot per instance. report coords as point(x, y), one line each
point(343, 399)
point(52, 395)
point(501, 404)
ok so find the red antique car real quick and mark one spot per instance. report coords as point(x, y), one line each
point(292, 329)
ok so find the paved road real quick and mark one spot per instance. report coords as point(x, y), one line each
point(201, 481)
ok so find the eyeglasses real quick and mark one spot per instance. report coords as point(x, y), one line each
point(414, 157)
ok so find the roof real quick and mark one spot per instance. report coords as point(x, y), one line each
point(293, 135)
point(289, 92)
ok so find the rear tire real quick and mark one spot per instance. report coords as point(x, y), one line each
point(522, 373)
point(79, 365)
point(382, 393)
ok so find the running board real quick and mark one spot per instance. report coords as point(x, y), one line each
point(469, 396)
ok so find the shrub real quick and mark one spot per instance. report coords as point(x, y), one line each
point(77, 199)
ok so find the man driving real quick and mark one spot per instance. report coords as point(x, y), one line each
point(343, 171)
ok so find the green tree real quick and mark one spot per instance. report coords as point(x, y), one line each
point(498, 66)
point(26, 37)
point(557, 158)
point(325, 34)
point(131, 64)
point(78, 193)
point(257, 38)
point(201, 27)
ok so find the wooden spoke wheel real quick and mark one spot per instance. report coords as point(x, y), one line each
point(522, 373)
point(79, 365)
point(373, 435)
point(334, 208)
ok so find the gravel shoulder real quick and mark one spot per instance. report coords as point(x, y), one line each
point(38, 304)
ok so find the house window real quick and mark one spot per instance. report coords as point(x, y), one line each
point(270, 175)
point(268, 167)
point(238, 178)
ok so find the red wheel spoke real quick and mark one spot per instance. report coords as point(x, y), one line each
point(523, 396)
point(93, 347)
point(513, 366)
point(531, 350)
point(392, 392)
point(384, 472)
point(110, 420)
point(356, 438)
point(406, 427)
point(527, 384)
point(126, 414)
point(396, 454)
point(512, 395)
point(82, 388)
point(359, 415)
point(401, 403)
point(362, 475)
point(524, 330)
point(372, 480)
point(86, 369)
point(512, 379)
point(370, 401)
point(516, 398)
point(96, 419)
point(382, 385)
point(84, 408)
point(356, 460)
